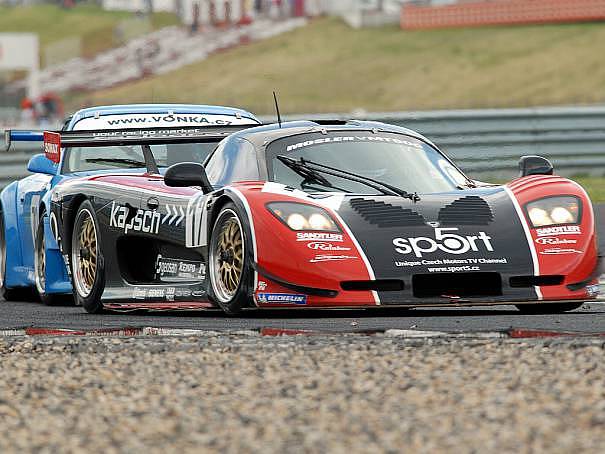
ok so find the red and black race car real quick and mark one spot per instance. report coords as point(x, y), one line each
point(325, 215)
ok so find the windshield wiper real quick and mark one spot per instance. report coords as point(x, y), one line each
point(315, 167)
point(310, 176)
point(131, 162)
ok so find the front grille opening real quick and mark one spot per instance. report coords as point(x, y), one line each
point(463, 285)
point(380, 285)
point(531, 281)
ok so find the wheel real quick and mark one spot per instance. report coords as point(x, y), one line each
point(549, 308)
point(87, 269)
point(9, 294)
point(40, 270)
point(230, 270)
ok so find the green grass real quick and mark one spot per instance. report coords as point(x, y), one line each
point(595, 186)
point(329, 67)
point(94, 25)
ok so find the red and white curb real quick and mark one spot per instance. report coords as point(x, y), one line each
point(516, 333)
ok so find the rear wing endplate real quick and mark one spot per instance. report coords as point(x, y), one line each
point(18, 135)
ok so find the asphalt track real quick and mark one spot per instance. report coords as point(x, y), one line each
point(590, 318)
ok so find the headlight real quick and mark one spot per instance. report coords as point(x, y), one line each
point(299, 216)
point(554, 211)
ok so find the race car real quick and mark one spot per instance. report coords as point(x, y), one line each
point(319, 214)
point(27, 258)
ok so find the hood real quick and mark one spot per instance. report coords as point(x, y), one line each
point(475, 230)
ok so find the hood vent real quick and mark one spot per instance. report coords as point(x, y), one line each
point(470, 210)
point(386, 215)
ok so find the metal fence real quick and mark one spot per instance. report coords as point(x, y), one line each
point(486, 144)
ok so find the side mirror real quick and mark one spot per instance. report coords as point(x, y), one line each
point(187, 174)
point(39, 163)
point(534, 165)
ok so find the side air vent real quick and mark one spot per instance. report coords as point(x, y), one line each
point(531, 281)
point(470, 210)
point(447, 285)
point(386, 215)
point(380, 285)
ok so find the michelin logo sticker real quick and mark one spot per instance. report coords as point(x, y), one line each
point(281, 298)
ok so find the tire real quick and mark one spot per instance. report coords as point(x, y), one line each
point(87, 265)
point(228, 263)
point(40, 270)
point(548, 308)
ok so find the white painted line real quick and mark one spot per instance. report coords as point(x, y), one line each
point(417, 334)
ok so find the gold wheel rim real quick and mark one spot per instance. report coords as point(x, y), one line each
point(87, 256)
point(229, 256)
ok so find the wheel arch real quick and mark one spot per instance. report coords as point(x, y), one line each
point(12, 235)
point(69, 219)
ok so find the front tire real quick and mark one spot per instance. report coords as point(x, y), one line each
point(229, 266)
point(87, 268)
point(548, 308)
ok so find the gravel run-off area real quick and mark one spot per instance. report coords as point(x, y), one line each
point(341, 394)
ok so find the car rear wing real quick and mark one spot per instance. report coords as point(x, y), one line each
point(54, 141)
point(18, 135)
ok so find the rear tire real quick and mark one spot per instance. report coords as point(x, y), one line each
point(228, 264)
point(40, 270)
point(548, 308)
point(87, 268)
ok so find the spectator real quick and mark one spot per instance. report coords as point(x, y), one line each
point(195, 23)
point(28, 114)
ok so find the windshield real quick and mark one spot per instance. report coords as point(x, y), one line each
point(84, 159)
point(395, 159)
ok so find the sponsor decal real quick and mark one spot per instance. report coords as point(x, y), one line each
point(323, 246)
point(168, 269)
point(453, 269)
point(593, 290)
point(469, 261)
point(143, 221)
point(182, 293)
point(319, 236)
point(281, 298)
point(34, 215)
point(559, 230)
point(156, 293)
point(445, 241)
point(262, 286)
point(559, 251)
point(195, 223)
point(52, 146)
point(549, 240)
point(331, 258)
point(170, 293)
point(174, 215)
point(160, 120)
point(310, 143)
point(139, 293)
point(67, 264)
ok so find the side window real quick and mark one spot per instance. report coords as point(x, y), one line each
point(234, 160)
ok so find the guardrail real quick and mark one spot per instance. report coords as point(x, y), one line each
point(486, 144)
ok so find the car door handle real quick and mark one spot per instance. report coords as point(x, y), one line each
point(153, 203)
